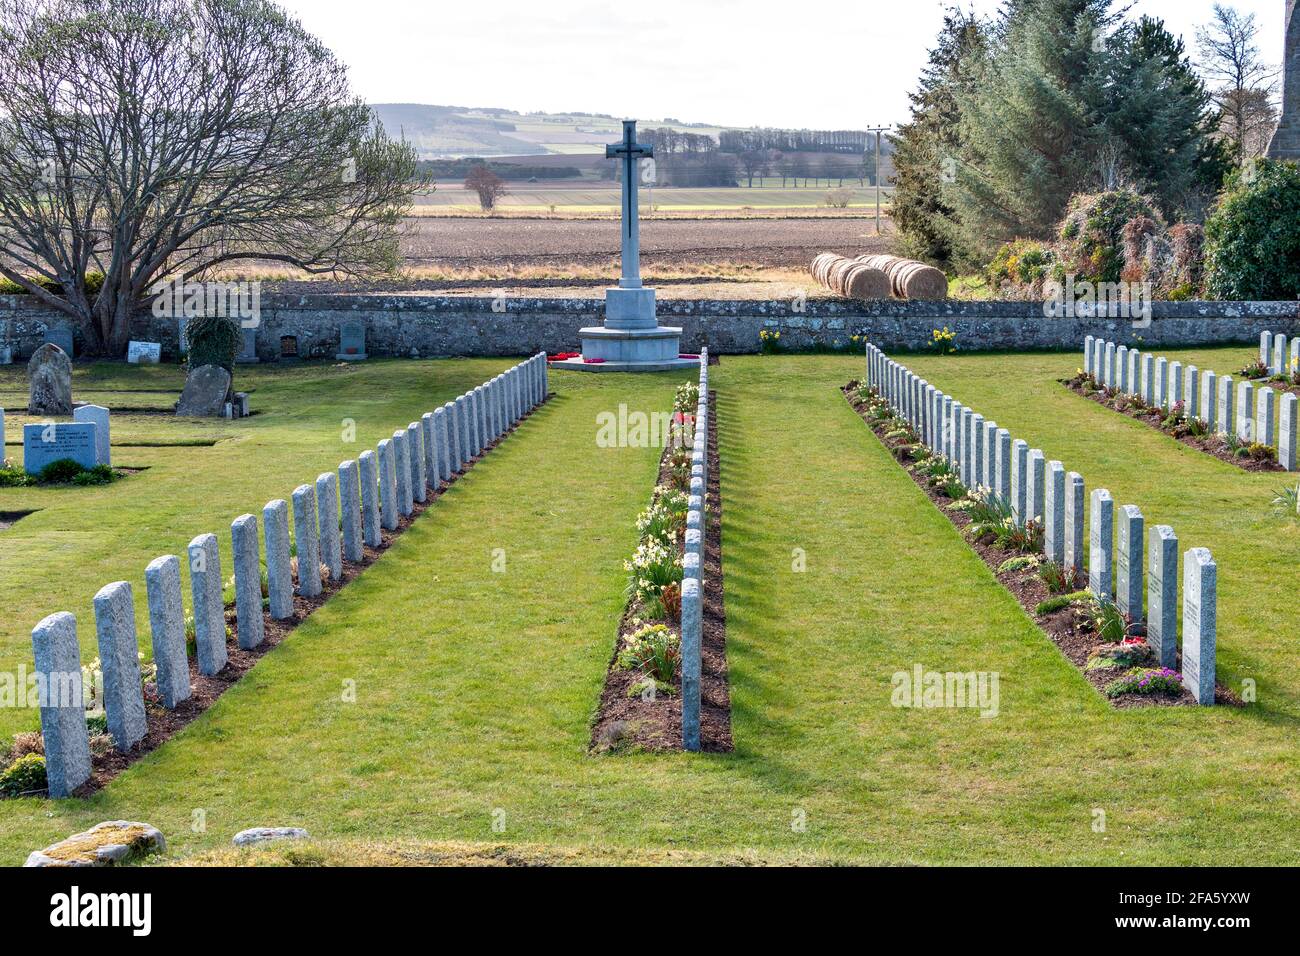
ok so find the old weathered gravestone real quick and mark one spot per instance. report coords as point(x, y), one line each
point(162, 580)
point(1286, 141)
point(279, 567)
point(327, 511)
point(388, 484)
point(123, 697)
point(206, 391)
point(368, 466)
point(248, 582)
point(1054, 514)
point(63, 708)
point(49, 374)
point(306, 537)
point(352, 341)
point(209, 611)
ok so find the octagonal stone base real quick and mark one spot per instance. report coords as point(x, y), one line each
point(630, 350)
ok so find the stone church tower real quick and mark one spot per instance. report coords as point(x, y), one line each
point(1286, 141)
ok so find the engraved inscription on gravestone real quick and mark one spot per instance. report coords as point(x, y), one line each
point(43, 444)
point(144, 353)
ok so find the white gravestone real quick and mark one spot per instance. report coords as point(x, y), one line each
point(1130, 561)
point(1101, 564)
point(1074, 508)
point(98, 416)
point(144, 353)
point(1200, 622)
point(1162, 595)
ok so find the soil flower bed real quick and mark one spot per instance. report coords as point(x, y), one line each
point(1177, 424)
point(1109, 649)
point(640, 706)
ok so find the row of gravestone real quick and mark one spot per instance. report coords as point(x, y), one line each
point(985, 457)
point(693, 568)
point(1252, 415)
point(333, 520)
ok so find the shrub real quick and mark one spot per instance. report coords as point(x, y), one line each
point(1152, 680)
point(1131, 652)
point(1052, 605)
point(1022, 562)
point(24, 775)
point(60, 472)
point(99, 475)
point(214, 340)
point(1252, 240)
point(653, 649)
point(1092, 235)
point(1022, 264)
point(15, 478)
point(1261, 452)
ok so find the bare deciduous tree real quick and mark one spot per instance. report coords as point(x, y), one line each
point(152, 139)
point(489, 186)
point(1242, 82)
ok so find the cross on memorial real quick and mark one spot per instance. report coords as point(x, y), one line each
point(630, 151)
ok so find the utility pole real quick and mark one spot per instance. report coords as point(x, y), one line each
point(878, 130)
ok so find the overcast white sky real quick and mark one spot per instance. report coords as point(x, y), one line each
point(826, 64)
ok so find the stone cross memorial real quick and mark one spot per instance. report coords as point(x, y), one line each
point(631, 340)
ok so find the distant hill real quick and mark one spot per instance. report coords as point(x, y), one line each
point(444, 132)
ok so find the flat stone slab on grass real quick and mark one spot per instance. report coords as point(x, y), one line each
point(259, 835)
point(107, 844)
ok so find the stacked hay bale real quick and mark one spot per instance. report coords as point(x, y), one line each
point(908, 278)
point(850, 278)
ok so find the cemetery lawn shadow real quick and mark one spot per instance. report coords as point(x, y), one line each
point(475, 689)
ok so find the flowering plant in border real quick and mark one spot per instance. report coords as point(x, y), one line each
point(1148, 680)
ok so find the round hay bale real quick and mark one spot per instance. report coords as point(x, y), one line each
point(866, 282)
point(908, 278)
point(921, 282)
point(839, 271)
point(821, 266)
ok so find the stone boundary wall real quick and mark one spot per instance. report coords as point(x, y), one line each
point(402, 325)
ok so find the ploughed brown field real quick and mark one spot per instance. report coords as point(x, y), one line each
point(691, 258)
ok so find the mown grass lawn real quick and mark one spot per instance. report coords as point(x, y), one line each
point(475, 689)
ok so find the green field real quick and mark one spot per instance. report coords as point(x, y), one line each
point(475, 689)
